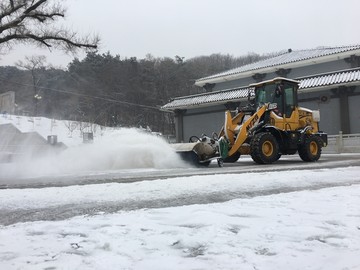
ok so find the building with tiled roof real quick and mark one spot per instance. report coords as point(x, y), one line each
point(329, 81)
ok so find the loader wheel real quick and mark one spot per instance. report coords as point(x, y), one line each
point(232, 158)
point(310, 150)
point(278, 157)
point(264, 148)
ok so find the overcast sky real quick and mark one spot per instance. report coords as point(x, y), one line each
point(191, 28)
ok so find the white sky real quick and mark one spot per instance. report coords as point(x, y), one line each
point(191, 28)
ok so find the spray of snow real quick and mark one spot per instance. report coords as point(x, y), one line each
point(117, 150)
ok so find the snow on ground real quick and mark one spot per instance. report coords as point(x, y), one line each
point(68, 132)
point(180, 187)
point(310, 229)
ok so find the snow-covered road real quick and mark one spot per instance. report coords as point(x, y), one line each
point(149, 211)
point(303, 228)
point(54, 203)
point(29, 179)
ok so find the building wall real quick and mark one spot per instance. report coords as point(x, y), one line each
point(7, 102)
point(233, 84)
point(294, 73)
point(203, 121)
point(319, 68)
point(354, 110)
point(329, 110)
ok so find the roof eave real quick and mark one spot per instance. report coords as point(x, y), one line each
point(202, 105)
point(316, 60)
point(301, 91)
point(327, 87)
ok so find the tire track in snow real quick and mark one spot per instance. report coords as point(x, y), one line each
point(8, 217)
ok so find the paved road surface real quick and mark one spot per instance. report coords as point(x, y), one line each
point(244, 165)
point(10, 216)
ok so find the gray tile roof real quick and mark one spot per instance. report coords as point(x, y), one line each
point(237, 94)
point(323, 80)
point(208, 98)
point(287, 58)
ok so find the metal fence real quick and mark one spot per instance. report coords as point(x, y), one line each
point(343, 143)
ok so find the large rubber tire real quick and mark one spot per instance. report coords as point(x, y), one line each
point(233, 158)
point(264, 148)
point(310, 150)
point(278, 157)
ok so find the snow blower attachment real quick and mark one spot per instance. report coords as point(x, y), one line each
point(200, 151)
point(271, 126)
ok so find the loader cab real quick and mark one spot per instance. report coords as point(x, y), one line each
point(281, 91)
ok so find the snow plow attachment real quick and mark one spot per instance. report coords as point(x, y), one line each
point(199, 153)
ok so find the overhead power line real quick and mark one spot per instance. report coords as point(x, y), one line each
point(84, 95)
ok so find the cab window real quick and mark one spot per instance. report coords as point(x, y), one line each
point(264, 94)
point(289, 99)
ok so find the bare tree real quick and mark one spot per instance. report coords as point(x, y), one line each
point(71, 125)
point(36, 65)
point(34, 22)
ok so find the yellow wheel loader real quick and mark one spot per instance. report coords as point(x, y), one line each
point(271, 125)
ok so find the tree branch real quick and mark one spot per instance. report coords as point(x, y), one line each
point(47, 40)
point(5, 12)
point(24, 21)
point(34, 6)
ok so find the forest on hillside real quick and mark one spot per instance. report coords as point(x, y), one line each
point(109, 90)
